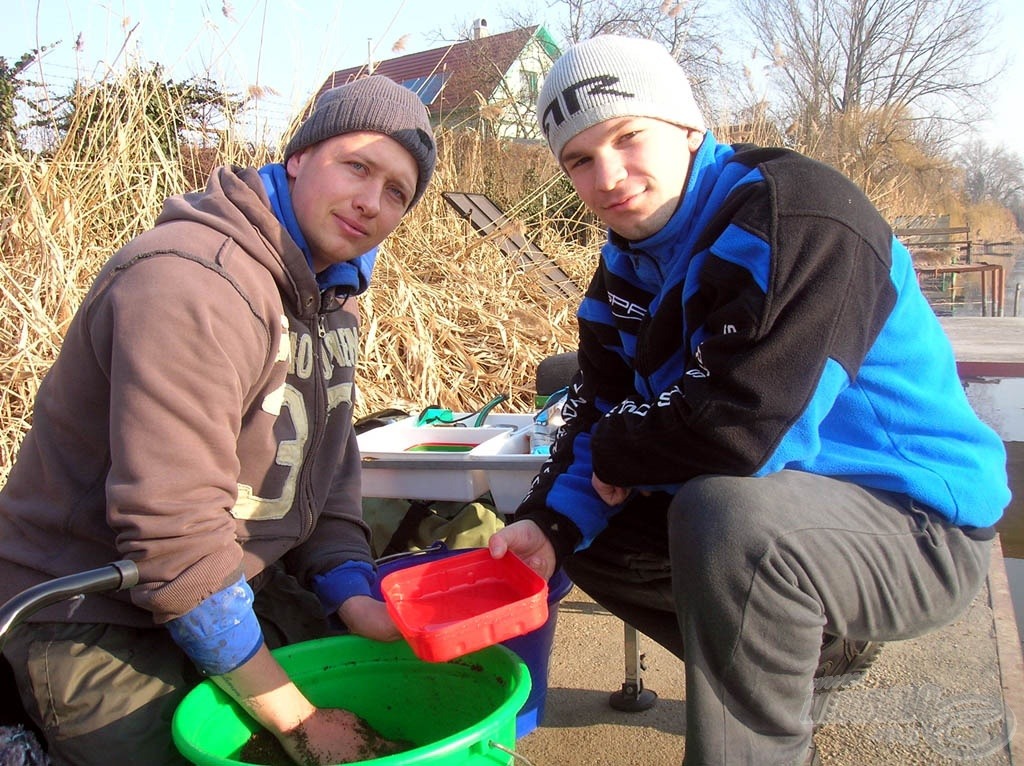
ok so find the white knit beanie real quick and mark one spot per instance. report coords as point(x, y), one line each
point(611, 76)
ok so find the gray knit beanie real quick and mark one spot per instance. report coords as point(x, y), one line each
point(378, 104)
point(611, 76)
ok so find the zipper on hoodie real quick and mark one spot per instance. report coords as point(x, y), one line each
point(318, 425)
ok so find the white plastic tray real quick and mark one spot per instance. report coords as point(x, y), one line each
point(390, 469)
point(508, 466)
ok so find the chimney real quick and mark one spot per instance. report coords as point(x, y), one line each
point(479, 28)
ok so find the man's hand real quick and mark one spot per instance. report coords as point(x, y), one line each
point(369, 618)
point(330, 736)
point(312, 736)
point(612, 495)
point(525, 539)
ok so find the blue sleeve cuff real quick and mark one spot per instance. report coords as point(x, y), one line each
point(353, 578)
point(222, 632)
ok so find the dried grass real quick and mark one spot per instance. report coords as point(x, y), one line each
point(451, 320)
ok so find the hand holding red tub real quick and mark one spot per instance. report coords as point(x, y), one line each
point(528, 542)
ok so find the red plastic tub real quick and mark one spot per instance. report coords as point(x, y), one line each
point(533, 647)
point(458, 604)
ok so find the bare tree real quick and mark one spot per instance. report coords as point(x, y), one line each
point(923, 58)
point(992, 173)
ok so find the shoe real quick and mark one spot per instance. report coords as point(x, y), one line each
point(844, 663)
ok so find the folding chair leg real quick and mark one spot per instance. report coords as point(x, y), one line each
point(633, 697)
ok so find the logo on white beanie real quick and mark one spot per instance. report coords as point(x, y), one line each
point(612, 76)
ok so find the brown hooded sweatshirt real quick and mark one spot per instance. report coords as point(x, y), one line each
point(198, 419)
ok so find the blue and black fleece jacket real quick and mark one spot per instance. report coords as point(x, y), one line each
point(774, 323)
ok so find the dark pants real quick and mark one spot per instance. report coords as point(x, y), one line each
point(105, 694)
point(742, 577)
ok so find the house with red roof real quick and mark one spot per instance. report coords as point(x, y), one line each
point(488, 83)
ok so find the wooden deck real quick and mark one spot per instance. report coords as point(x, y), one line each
point(987, 346)
point(993, 282)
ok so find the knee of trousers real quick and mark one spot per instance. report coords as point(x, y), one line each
point(718, 523)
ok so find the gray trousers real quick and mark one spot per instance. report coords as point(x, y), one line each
point(742, 577)
point(105, 694)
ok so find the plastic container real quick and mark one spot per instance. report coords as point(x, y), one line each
point(534, 647)
point(427, 462)
point(508, 467)
point(458, 604)
point(458, 713)
point(398, 461)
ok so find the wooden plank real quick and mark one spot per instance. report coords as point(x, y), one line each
point(960, 235)
point(956, 238)
point(489, 220)
point(929, 231)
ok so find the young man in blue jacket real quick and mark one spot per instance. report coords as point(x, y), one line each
point(768, 463)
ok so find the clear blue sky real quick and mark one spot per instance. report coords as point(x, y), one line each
point(291, 45)
point(1007, 124)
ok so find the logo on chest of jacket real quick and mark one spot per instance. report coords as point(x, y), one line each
point(625, 309)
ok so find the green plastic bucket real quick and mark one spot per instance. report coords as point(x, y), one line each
point(455, 713)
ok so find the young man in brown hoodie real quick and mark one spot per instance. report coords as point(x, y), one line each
point(198, 421)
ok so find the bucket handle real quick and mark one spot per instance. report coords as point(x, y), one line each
point(517, 757)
